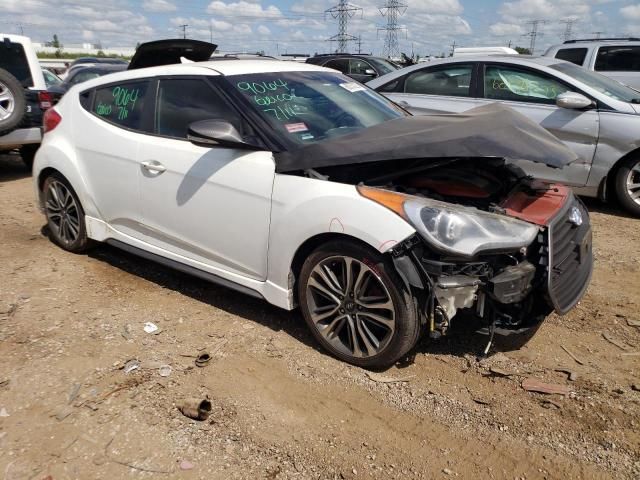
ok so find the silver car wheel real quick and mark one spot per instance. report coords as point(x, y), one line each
point(62, 212)
point(7, 102)
point(350, 306)
point(633, 183)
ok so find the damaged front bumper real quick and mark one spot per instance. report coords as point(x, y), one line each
point(511, 292)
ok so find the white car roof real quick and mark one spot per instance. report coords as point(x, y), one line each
point(34, 65)
point(215, 67)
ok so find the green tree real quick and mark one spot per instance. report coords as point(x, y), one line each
point(100, 54)
point(522, 50)
point(55, 43)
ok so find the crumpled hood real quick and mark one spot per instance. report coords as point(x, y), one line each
point(488, 131)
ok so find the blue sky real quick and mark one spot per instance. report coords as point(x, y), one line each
point(300, 26)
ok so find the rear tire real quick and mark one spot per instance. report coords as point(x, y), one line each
point(28, 153)
point(627, 185)
point(65, 216)
point(356, 305)
point(12, 102)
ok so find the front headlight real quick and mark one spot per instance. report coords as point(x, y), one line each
point(456, 229)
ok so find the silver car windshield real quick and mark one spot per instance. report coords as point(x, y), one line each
point(602, 84)
point(308, 107)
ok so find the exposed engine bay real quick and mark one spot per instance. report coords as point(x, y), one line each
point(509, 284)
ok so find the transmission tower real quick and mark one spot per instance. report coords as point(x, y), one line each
point(533, 34)
point(343, 12)
point(568, 29)
point(392, 9)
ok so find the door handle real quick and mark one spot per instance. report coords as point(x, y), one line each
point(403, 103)
point(155, 167)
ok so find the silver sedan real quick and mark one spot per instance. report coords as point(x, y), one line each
point(595, 116)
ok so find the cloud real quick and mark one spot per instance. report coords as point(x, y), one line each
point(631, 12)
point(506, 29)
point(243, 9)
point(262, 30)
point(157, 6)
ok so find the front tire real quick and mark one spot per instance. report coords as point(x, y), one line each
point(627, 185)
point(356, 305)
point(65, 216)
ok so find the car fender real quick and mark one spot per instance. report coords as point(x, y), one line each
point(303, 208)
point(618, 138)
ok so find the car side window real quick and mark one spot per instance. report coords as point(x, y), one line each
point(452, 81)
point(618, 59)
point(359, 67)
point(184, 101)
point(122, 104)
point(340, 64)
point(513, 84)
point(573, 55)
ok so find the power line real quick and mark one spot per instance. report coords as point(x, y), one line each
point(392, 9)
point(533, 34)
point(343, 12)
point(568, 30)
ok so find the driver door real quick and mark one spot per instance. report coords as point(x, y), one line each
point(209, 205)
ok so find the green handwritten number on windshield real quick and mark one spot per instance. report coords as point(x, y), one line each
point(257, 88)
point(124, 100)
point(282, 112)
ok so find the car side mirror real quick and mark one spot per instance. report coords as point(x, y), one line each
point(371, 72)
point(217, 133)
point(573, 100)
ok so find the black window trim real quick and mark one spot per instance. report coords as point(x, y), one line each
point(150, 108)
point(361, 60)
point(482, 71)
point(145, 109)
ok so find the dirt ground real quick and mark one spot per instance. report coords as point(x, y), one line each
point(282, 408)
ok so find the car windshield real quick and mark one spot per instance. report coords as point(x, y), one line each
point(602, 84)
point(308, 107)
point(384, 66)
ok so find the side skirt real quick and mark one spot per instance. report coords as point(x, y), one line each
point(209, 277)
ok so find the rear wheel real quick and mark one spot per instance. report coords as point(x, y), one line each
point(627, 185)
point(12, 102)
point(65, 216)
point(356, 306)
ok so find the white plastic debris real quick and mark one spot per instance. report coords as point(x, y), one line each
point(164, 370)
point(150, 327)
point(3, 412)
point(131, 365)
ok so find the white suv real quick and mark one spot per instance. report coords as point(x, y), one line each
point(618, 58)
point(293, 183)
point(23, 97)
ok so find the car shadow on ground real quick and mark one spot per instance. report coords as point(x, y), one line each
point(461, 342)
point(608, 208)
point(12, 168)
point(226, 299)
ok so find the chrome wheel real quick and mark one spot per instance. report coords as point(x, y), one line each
point(350, 306)
point(633, 183)
point(62, 212)
point(7, 102)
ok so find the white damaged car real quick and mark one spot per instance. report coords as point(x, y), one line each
point(293, 183)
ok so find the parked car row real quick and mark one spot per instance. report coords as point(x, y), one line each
point(597, 117)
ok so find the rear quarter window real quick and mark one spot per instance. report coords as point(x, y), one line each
point(14, 60)
point(619, 58)
point(122, 104)
point(573, 55)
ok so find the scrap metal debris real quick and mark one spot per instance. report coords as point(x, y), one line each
point(573, 376)
point(195, 408)
point(576, 359)
point(534, 385)
point(613, 341)
point(203, 359)
point(384, 379)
